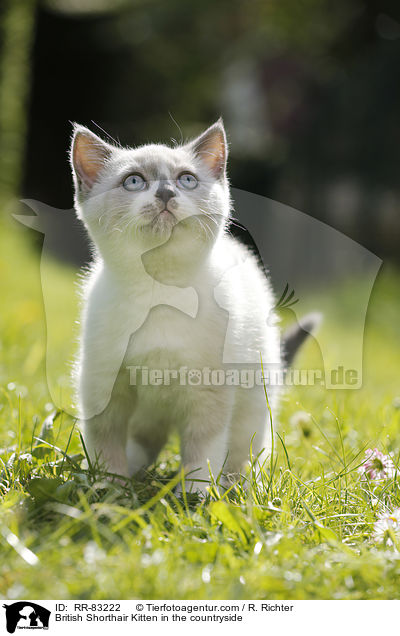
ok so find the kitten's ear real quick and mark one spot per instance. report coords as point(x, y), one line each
point(212, 148)
point(88, 156)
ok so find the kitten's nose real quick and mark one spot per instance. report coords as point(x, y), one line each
point(165, 192)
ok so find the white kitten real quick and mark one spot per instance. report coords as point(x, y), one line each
point(167, 282)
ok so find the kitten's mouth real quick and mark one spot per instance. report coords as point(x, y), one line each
point(163, 220)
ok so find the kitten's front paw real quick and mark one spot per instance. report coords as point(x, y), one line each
point(118, 480)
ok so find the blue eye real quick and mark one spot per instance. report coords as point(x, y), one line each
point(187, 181)
point(134, 183)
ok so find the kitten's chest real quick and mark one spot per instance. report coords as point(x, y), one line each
point(172, 336)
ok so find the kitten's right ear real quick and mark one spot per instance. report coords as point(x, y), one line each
point(88, 155)
point(211, 147)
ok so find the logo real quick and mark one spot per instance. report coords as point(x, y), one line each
point(26, 615)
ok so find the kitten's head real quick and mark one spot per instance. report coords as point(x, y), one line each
point(129, 197)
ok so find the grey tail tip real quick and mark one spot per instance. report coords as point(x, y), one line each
point(296, 334)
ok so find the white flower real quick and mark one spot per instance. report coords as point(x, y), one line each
point(377, 465)
point(387, 526)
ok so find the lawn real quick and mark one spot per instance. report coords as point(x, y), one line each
point(305, 531)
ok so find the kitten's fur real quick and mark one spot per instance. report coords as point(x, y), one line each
point(138, 251)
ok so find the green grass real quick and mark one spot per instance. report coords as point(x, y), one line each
point(304, 532)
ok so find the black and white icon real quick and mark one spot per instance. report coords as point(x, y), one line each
point(26, 615)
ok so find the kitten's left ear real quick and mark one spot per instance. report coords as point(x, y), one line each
point(89, 153)
point(212, 148)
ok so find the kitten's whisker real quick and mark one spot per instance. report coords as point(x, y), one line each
point(211, 217)
point(231, 222)
point(206, 228)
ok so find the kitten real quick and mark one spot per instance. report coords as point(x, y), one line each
point(167, 279)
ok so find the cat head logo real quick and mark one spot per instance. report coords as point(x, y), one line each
point(26, 615)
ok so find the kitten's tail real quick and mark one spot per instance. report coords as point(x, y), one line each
point(296, 334)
